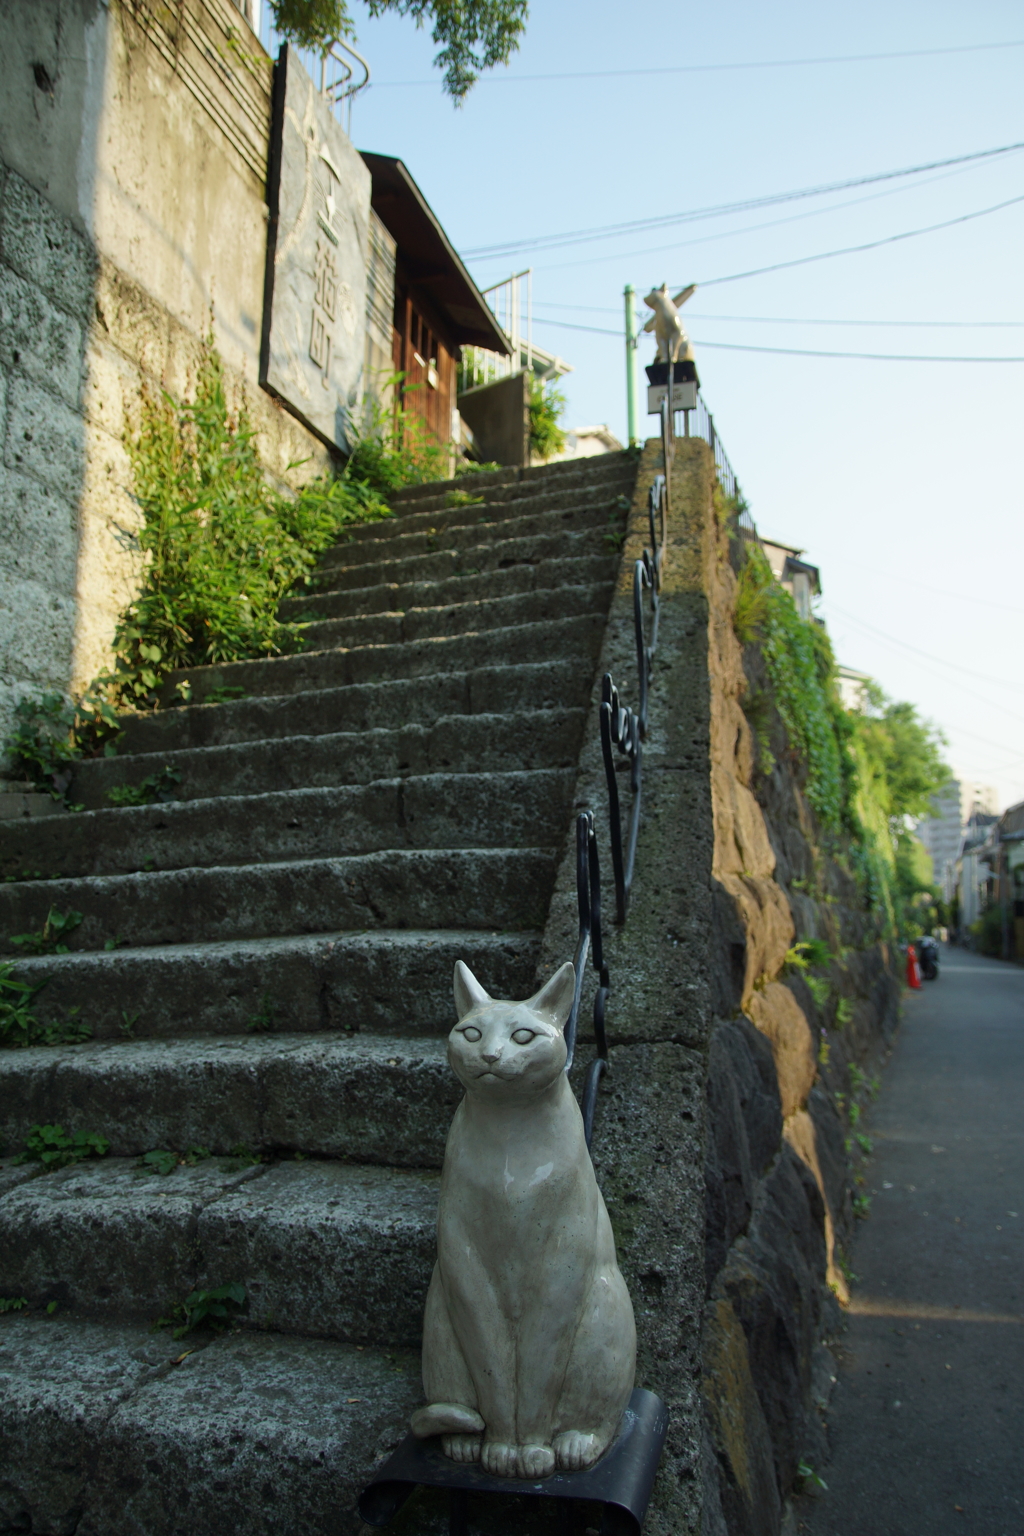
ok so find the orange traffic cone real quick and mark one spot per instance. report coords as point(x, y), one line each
point(913, 969)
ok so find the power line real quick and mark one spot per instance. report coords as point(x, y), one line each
point(696, 69)
point(736, 346)
point(604, 309)
point(918, 652)
point(719, 210)
point(870, 357)
point(870, 245)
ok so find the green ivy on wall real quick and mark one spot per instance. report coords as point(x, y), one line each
point(866, 772)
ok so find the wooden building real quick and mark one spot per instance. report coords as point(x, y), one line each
point(437, 308)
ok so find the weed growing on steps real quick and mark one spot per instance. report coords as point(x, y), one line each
point(163, 1162)
point(13, 1304)
point(153, 789)
point(51, 735)
point(214, 1309)
point(49, 940)
point(19, 1026)
point(263, 1019)
point(54, 1148)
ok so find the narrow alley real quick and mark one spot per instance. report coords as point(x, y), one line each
point(927, 1418)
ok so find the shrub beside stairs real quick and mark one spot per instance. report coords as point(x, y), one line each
point(277, 993)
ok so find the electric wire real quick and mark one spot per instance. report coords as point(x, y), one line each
point(604, 309)
point(739, 346)
point(720, 210)
point(694, 69)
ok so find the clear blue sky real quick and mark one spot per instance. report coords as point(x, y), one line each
point(901, 480)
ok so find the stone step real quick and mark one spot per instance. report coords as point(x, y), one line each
point(437, 513)
point(495, 484)
point(394, 596)
point(493, 557)
point(369, 542)
point(400, 628)
point(486, 743)
point(473, 888)
point(576, 639)
point(367, 1098)
point(333, 1249)
point(440, 810)
point(113, 1428)
point(387, 704)
point(380, 981)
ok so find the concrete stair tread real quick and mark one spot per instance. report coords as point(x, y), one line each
point(252, 1433)
point(402, 626)
point(484, 743)
point(500, 501)
point(469, 586)
point(576, 637)
point(476, 887)
point(371, 1098)
point(495, 557)
point(439, 810)
point(374, 541)
point(383, 704)
point(385, 981)
point(322, 1247)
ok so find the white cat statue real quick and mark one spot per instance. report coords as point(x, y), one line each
point(529, 1345)
point(673, 342)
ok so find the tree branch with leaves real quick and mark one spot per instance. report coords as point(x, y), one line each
point(472, 35)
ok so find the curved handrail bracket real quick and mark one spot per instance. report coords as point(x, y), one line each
point(588, 896)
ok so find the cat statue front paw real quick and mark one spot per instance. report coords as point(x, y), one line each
point(501, 1459)
point(461, 1447)
point(575, 1450)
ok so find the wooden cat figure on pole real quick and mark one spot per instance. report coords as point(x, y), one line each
point(529, 1344)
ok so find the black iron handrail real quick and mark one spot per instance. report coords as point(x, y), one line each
point(588, 896)
point(622, 727)
point(625, 729)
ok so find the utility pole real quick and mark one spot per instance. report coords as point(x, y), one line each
point(632, 358)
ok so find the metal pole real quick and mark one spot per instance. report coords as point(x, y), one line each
point(631, 366)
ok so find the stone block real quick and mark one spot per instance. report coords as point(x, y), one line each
point(744, 1133)
point(254, 1435)
point(46, 1402)
point(774, 1280)
point(779, 1017)
point(45, 248)
point(111, 387)
point(38, 536)
point(44, 438)
point(110, 1430)
point(741, 1445)
point(36, 632)
point(37, 338)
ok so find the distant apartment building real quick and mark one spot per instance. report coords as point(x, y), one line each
point(956, 805)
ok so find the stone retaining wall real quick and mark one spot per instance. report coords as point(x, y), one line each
point(133, 145)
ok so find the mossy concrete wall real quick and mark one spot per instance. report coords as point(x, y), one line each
point(133, 149)
point(719, 1144)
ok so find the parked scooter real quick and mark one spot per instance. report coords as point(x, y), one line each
point(928, 957)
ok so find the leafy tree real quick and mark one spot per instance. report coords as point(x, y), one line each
point(547, 405)
point(472, 35)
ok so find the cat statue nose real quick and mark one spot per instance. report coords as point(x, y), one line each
point(492, 1055)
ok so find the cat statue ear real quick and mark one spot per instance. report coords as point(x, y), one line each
point(469, 994)
point(554, 1000)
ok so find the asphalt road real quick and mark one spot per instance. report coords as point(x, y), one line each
point(927, 1419)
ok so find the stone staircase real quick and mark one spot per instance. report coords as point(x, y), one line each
point(265, 965)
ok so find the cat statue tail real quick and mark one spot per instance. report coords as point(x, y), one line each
point(445, 1419)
